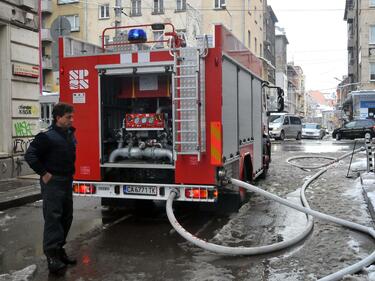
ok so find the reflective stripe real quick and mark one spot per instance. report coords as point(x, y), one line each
point(216, 143)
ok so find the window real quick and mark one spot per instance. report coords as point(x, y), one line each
point(295, 120)
point(104, 11)
point(261, 49)
point(74, 22)
point(158, 35)
point(249, 39)
point(158, 7)
point(349, 125)
point(372, 34)
point(218, 4)
point(372, 71)
point(181, 5)
point(66, 1)
point(256, 45)
point(372, 3)
point(136, 8)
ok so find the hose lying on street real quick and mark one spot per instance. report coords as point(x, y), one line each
point(226, 250)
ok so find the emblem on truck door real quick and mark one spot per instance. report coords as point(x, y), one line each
point(78, 79)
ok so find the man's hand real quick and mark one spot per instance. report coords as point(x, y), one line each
point(46, 178)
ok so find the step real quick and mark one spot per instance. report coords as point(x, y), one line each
point(185, 120)
point(186, 98)
point(186, 76)
point(186, 109)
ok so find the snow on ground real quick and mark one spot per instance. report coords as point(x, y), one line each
point(25, 274)
point(360, 165)
point(326, 250)
point(4, 219)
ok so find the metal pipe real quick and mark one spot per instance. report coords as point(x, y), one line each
point(137, 153)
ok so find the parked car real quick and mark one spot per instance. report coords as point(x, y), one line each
point(355, 129)
point(313, 130)
point(282, 125)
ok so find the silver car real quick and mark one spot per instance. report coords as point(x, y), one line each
point(312, 130)
point(282, 126)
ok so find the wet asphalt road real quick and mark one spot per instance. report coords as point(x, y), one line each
point(135, 245)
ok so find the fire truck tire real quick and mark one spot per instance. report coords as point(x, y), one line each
point(263, 175)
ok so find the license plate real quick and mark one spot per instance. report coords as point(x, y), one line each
point(140, 190)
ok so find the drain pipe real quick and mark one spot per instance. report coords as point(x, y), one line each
point(281, 245)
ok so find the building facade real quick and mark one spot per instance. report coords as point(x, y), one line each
point(360, 18)
point(296, 89)
point(87, 19)
point(269, 55)
point(19, 83)
point(281, 43)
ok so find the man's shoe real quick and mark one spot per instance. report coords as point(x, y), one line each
point(65, 259)
point(55, 264)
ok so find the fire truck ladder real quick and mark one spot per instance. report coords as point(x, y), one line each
point(186, 103)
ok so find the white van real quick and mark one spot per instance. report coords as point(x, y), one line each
point(284, 125)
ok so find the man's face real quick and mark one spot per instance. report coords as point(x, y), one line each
point(65, 121)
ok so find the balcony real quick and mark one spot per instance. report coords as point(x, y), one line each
point(46, 63)
point(46, 6)
point(46, 35)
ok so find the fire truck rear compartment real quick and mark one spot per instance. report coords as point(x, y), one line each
point(136, 126)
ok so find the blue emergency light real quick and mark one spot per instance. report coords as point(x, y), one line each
point(138, 35)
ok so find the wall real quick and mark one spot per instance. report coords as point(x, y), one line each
point(19, 85)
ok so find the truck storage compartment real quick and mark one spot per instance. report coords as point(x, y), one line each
point(136, 121)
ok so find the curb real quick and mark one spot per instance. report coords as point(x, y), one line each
point(368, 187)
point(20, 196)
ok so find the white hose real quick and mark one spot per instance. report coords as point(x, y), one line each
point(281, 245)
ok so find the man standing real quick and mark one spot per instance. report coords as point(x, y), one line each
point(52, 155)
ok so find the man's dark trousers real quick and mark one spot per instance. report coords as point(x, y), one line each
point(57, 212)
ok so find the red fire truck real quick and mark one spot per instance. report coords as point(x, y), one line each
point(152, 116)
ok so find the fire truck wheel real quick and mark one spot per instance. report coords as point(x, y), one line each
point(263, 175)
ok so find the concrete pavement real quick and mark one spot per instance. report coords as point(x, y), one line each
point(19, 191)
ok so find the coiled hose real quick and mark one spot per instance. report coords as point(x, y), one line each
point(226, 250)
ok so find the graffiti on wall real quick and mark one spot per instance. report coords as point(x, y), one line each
point(25, 127)
point(21, 145)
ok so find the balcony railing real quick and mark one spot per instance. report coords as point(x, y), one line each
point(46, 35)
point(46, 6)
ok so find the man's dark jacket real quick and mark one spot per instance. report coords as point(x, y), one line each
point(53, 151)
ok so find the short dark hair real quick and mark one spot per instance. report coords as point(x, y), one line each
point(60, 109)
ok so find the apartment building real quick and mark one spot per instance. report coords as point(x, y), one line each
point(281, 44)
point(360, 18)
point(88, 19)
point(269, 55)
point(19, 83)
point(296, 89)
